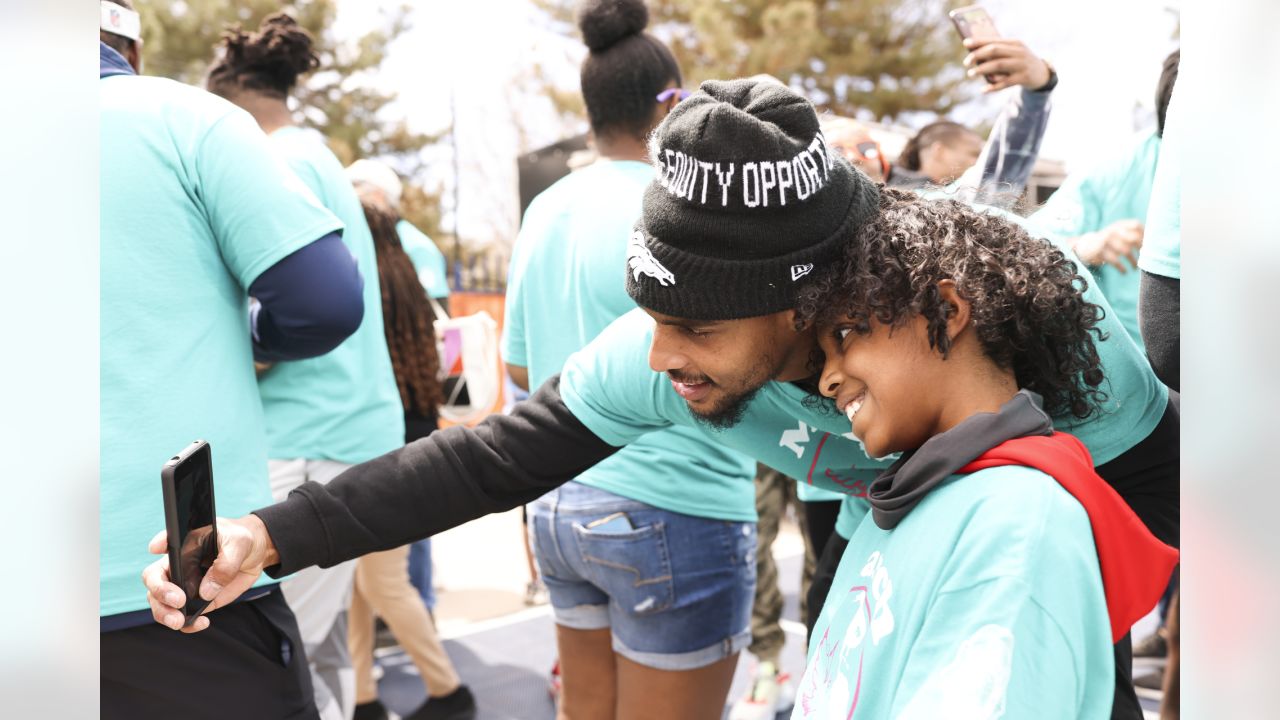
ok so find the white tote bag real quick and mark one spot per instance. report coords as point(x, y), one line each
point(470, 366)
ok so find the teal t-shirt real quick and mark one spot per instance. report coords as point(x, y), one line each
point(985, 601)
point(808, 493)
point(852, 511)
point(609, 386)
point(1090, 201)
point(344, 405)
point(194, 207)
point(566, 285)
point(1162, 241)
point(433, 271)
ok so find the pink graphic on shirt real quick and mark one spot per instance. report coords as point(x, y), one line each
point(843, 478)
point(826, 661)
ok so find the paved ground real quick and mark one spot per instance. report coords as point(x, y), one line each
point(505, 650)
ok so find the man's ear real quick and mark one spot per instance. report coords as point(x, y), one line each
point(134, 56)
point(958, 317)
point(793, 322)
point(790, 316)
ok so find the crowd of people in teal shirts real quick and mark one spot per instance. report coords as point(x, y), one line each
point(741, 304)
point(214, 203)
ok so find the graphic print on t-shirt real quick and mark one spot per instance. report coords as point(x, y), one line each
point(850, 479)
point(833, 679)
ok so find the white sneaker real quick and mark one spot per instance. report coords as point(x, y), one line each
point(535, 593)
point(771, 692)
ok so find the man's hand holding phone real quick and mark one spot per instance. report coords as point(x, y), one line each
point(1005, 63)
point(244, 549)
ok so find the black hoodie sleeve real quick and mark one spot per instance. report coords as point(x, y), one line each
point(439, 482)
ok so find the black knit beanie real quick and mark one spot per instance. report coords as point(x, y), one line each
point(748, 200)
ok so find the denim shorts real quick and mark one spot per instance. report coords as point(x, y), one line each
point(675, 590)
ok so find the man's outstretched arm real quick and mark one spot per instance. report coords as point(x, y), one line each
point(442, 481)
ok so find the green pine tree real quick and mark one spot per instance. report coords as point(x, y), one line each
point(180, 39)
point(869, 58)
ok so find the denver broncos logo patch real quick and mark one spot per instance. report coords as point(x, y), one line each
point(642, 262)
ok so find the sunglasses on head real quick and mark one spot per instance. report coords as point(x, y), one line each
point(870, 150)
point(678, 93)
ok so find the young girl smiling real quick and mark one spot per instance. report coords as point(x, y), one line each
point(995, 569)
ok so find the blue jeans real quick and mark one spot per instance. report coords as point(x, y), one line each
point(675, 590)
point(420, 571)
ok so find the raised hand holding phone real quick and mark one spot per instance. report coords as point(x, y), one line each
point(1006, 63)
point(974, 24)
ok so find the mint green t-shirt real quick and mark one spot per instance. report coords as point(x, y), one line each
point(986, 601)
point(565, 285)
point(433, 271)
point(808, 493)
point(609, 386)
point(344, 405)
point(1162, 241)
point(194, 207)
point(852, 510)
point(1090, 201)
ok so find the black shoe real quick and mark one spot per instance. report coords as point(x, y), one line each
point(457, 705)
point(1153, 646)
point(370, 711)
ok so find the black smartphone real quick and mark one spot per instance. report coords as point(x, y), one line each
point(973, 21)
point(187, 482)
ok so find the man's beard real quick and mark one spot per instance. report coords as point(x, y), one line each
point(731, 412)
point(734, 406)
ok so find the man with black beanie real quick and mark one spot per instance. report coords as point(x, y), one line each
point(749, 201)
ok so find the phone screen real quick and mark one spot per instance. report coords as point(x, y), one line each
point(974, 22)
point(193, 492)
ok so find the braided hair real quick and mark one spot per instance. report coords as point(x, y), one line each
point(408, 318)
point(268, 61)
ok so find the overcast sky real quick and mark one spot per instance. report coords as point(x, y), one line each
point(1108, 55)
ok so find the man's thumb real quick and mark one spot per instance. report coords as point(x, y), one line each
point(231, 554)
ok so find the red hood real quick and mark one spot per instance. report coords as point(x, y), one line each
point(1135, 565)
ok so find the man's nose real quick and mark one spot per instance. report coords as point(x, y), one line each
point(664, 354)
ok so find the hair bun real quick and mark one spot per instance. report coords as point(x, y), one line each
point(605, 22)
point(286, 45)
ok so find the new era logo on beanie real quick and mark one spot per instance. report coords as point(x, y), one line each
point(748, 199)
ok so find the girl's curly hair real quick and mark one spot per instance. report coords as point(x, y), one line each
point(1026, 296)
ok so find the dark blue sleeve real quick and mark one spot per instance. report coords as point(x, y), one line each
point(311, 301)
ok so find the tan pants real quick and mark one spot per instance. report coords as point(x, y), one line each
point(382, 587)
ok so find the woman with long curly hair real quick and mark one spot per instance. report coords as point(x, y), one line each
point(382, 585)
point(996, 568)
point(327, 413)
